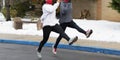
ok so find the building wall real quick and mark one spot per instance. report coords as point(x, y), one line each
point(80, 5)
point(108, 13)
point(99, 9)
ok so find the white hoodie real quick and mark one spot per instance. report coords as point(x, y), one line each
point(48, 17)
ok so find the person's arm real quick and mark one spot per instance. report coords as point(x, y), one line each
point(41, 21)
point(39, 24)
point(42, 18)
point(53, 8)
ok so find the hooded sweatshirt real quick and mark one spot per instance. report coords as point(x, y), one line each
point(48, 17)
point(65, 11)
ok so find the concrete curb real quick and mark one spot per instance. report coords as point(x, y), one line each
point(64, 46)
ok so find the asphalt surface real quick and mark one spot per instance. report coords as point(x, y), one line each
point(27, 52)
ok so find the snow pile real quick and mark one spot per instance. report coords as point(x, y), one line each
point(103, 30)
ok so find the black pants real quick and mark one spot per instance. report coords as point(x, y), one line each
point(71, 24)
point(46, 32)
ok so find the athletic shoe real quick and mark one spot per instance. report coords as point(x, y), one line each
point(73, 40)
point(39, 54)
point(54, 50)
point(88, 33)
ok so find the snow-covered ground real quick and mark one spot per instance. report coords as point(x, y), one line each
point(2, 18)
point(103, 30)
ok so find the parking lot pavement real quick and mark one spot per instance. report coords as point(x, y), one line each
point(27, 52)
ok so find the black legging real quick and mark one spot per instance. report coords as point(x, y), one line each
point(46, 32)
point(71, 24)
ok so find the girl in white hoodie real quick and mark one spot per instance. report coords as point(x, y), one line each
point(50, 23)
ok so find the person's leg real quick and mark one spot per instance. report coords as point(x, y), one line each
point(58, 29)
point(87, 33)
point(46, 33)
point(72, 24)
point(59, 37)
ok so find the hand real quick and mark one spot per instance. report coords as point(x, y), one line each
point(59, 1)
point(41, 25)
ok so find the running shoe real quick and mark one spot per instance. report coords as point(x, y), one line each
point(89, 32)
point(73, 40)
point(54, 50)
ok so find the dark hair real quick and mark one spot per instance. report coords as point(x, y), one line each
point(43, 2)
point(69, 0)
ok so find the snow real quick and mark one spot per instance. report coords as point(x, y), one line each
point(2, 18)
point(103, 30)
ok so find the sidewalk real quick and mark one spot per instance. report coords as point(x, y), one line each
point(88, 43)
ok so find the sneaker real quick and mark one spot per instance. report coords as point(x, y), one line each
point(88, 33)
point(73, 40)
point(39, 54)
point(54, 50)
